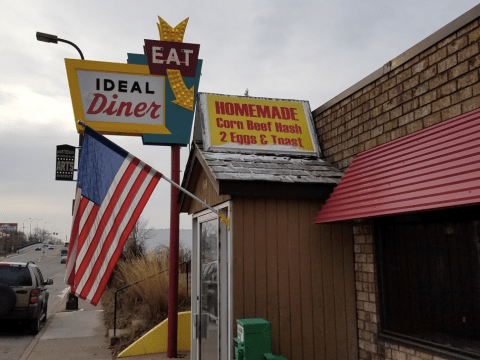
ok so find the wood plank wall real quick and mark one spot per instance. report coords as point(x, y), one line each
point(205, 191)
point(297, 275)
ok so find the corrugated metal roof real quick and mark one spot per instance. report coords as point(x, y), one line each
point(250, 167)
point(434, 168)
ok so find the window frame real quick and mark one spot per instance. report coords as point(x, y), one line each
point(390, 336)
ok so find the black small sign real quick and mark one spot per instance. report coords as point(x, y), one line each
point(65, 162)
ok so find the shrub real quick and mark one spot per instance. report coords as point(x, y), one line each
point(147, 300)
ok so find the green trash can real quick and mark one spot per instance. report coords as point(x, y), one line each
point(254, 339)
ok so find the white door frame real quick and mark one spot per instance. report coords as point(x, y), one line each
point(225, 309)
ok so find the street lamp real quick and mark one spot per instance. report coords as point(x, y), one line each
point(23, 228)
point(43, 233)
point(72, 303)
point(54, 233)
point(48, 38)
point(30, 237)
point(24, 224)
point(36, 226)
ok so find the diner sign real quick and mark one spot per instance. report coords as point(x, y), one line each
point(112, 98)
point(257, 124)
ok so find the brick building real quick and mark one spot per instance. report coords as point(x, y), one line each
point(418, 300)
point(384, 265)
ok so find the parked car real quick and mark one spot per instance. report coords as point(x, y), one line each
point(23, 294)
point(64, 255)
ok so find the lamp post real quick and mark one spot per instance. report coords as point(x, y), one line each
point(72, 303)
point(30, 237)
point(54, 39)
point(24, 223)
point(23, 228)
point(36, 226)
point(44, 231)
point(53, 234)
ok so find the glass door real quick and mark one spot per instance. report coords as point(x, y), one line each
point(212, 333)
point(208, 289)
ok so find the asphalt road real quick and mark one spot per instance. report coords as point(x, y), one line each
point(14, 338)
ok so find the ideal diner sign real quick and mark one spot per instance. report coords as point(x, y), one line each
point(117, 98)
point(153, 96)
point(257, 124)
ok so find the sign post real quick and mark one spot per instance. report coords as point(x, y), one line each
point(152, 96)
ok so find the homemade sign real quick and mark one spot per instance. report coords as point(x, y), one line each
point(257, 124)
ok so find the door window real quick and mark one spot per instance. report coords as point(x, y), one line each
point(209, 289)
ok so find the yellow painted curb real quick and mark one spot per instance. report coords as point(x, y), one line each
point(156, 340)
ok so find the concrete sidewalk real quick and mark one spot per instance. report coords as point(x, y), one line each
point(78, 334)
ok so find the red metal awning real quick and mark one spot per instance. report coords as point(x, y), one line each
point(437, 167)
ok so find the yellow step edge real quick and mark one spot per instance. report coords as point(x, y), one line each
point(156, 340)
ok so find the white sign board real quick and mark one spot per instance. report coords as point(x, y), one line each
point(122, 98)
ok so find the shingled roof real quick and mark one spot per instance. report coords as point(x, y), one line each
point(285, 169)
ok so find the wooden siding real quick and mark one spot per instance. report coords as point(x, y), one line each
point(297, 275)
point(203, 189)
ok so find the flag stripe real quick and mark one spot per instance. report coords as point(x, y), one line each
point(120, 180)
point(86, 227)
point(72, 253)
point(73, 233)
point(113, 236)
point(118, 185)
point(95, 296)
point(83, 219)
point(102, 247)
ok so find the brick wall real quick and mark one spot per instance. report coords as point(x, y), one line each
point(370, 348)
point(436, 85)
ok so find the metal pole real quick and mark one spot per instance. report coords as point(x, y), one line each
point(75, 46)
point(174, 250)
point(115, 315)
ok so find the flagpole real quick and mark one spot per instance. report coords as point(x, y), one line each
point(221, 216)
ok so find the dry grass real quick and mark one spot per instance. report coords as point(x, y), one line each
point(146, 301)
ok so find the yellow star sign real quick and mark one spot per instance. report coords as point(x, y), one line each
point(183, 96)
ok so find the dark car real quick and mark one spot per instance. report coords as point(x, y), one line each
point(23, 295)
point(64, 255)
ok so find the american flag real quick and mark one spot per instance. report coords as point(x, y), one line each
point(113, 187)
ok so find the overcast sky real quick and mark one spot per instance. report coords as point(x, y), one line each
point(305, 50)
